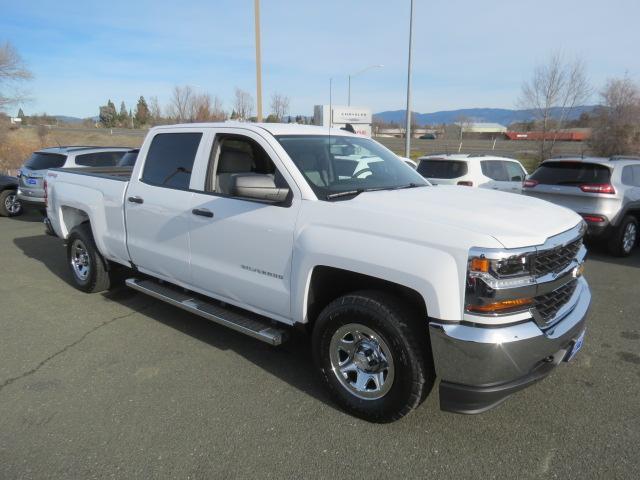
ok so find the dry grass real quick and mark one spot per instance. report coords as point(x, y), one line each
point(17, 145)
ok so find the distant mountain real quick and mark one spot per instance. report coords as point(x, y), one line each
point(502, 116)
point(66, 119)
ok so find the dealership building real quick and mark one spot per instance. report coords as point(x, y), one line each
point(337, 116)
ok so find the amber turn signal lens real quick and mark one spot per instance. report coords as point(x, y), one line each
point(499, 306)
point(479, 265)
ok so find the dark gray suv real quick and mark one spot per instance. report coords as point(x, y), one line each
point(605, 191)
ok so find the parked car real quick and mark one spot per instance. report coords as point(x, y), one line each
point(9, 204)
point(483, 171)
point(428, 136)
point(263, 227)
point(605, 191)
point(32, 173)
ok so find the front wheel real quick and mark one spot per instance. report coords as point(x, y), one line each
point(373, 355)
point(10, 206)
point(89, 270)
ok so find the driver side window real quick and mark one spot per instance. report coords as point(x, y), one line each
point(235, 160)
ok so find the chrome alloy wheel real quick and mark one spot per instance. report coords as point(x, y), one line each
point(12, 204)
point(630, 236)
point(361, 361)
point(80, 260)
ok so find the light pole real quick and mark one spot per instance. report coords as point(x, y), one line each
point(356, 74)
point(407, 144)
point(258, 61)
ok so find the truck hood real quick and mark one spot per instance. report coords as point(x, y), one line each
point(513, 220)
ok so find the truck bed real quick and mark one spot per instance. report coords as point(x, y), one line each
point(114, 173)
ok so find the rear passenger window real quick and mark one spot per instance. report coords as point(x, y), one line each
point(99, 159)
point(495, 170)
point(631, 175)
point(170, 159)
point(514, 172)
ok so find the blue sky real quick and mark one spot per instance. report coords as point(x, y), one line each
point(466, 53)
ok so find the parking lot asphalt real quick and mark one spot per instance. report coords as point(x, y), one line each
point(120, 385)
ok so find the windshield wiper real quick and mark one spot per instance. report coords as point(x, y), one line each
point(409, 185)
point(345, 193)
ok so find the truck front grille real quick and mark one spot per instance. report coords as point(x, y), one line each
point(548, 305)
point(556, 259)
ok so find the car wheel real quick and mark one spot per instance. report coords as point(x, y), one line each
point(10, 206)
point(625, 237)
point(373, 355)
point(89, 270)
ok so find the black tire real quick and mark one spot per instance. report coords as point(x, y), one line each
point(4, 211)
point(619, 244)
point(398, 329)
point(98, 275)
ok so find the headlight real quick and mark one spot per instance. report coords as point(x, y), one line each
point(497, 282)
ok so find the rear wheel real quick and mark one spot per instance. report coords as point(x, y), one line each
point(373, 356)
point(89, 270)
point(10, 206)
point(625, 237)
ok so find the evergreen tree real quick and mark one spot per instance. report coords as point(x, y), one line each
point(142, 112)
point(108, 115)
point(20, 113)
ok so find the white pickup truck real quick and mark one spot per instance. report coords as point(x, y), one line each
point(261, 227)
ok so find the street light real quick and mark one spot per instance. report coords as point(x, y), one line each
point(356, 74)
point(407, 144)
point(256, 8)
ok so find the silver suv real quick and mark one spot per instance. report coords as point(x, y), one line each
point(31, 175)
point(605, 191)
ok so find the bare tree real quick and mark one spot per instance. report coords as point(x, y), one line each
point(464, 123)
point(279, 106)
point(155, 112)
point(243, 104)
point(181, 104)
point(616, 128)
point(556, 88)
point(13, 72)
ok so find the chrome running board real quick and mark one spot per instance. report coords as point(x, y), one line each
point(246, 322)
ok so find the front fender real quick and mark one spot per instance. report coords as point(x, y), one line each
point(432, 272)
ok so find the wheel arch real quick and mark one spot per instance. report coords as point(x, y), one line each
point(327, 283)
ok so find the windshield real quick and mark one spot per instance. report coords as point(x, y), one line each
point(340, 164)
point(571, 173)
point(44, 161)
point(444, 169)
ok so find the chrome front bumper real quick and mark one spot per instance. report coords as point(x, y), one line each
point(480, 367)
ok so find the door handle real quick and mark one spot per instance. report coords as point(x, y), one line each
point(203, 212)
point(136, 200)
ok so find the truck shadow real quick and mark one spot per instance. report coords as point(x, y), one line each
point(31, 216)
point(292, 362)
point(597, 251)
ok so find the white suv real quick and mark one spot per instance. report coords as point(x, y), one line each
point(484, 171)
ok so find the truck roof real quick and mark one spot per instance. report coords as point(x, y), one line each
point(273, 128)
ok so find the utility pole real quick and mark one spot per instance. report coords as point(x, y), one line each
point(407, 144)
point(258, 61)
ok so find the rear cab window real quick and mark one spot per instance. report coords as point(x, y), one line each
point(440, 168)
point(44, 161)
point(99, 159)
point(170, 158)
point(571, 173)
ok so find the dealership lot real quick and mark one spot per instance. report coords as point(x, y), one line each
point(122, 385)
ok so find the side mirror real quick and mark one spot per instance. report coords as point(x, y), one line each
point(258, 186)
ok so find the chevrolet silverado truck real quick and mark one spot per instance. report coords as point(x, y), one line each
point(264, 227)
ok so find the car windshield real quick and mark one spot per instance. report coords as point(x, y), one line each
point(336, 165)
point(444, 169)
point(571, 173)
point(44, 161)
